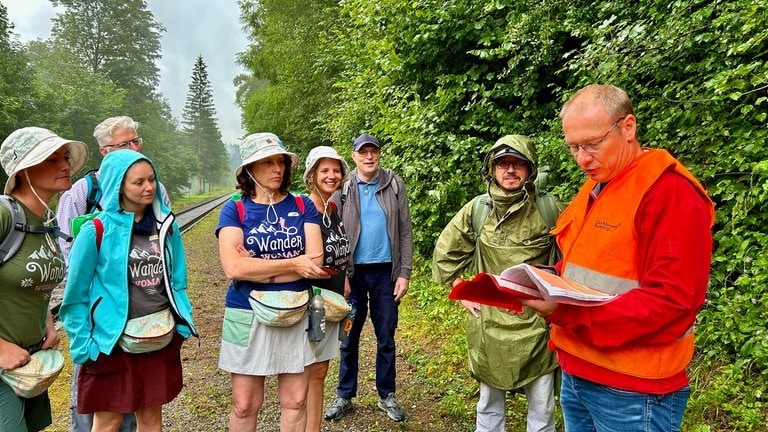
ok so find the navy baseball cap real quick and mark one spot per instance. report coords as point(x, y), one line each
point(363, 140)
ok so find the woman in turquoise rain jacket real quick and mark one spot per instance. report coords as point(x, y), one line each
point(130, 264)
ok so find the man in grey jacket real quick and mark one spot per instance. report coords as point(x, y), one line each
point(374, 209)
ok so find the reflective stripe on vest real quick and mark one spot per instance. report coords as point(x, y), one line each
point(599, 246)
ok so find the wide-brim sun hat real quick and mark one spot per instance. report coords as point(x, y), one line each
point(35, 377)
point(29, 146)
point(258, 146)
point(321, 152)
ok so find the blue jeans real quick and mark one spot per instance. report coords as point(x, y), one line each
point(371, 282)
point(589, 407)
point(84, 422)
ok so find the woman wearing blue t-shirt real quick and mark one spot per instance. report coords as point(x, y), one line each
point(268, 241)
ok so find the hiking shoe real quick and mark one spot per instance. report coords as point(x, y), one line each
point(339, 408)
point(392, 407)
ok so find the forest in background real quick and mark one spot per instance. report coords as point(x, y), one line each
point(91, 68)
point(438, 81)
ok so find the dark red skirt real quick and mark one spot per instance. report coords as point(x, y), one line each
point(123, 383)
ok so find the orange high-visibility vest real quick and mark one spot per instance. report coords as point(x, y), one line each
point(600, 250)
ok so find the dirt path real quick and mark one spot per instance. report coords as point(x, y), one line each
point(204, 403)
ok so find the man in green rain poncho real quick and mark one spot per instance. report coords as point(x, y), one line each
point(507, 351)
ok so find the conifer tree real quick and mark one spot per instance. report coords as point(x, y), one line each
point(199, 125)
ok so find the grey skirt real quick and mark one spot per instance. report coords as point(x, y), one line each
point(251, 348)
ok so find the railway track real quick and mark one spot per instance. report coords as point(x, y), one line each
point(185, 219)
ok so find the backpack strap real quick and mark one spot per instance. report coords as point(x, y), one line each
point(12, 241)
point(395, 185)
point(94, 193)
point(481, 208)
point(345, 191)
point(240, 210)
point(15, 236)
point(241, 207)
point(99, 232)
point(547, 205)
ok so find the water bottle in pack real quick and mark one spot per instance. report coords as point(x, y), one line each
point(316, 317)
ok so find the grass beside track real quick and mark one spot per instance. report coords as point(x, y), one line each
point(433, 384)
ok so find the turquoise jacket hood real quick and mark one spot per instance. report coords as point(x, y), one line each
point(112, 173)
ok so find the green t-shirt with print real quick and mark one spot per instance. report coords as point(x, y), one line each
point(27, 281)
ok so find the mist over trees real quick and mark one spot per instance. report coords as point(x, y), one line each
point(440, 80)
point(100, 61)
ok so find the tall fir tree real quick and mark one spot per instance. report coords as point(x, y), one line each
point(200, 127)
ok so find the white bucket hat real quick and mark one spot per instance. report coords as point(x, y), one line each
point(29, 146)
point(320, 152)
point(262, 145)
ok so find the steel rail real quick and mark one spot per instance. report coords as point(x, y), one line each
point(185, 219)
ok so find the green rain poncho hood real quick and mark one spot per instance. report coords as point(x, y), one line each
point(506, 351)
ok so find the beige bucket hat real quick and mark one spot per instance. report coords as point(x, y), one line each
point(262, 145)
point(29, 146)
point(320, 152)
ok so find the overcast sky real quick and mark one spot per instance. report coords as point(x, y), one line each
point(210, 28)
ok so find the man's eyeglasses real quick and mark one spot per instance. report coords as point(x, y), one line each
point(372, 152)
point(504, 164)
point(591, 147)
point(125, 144)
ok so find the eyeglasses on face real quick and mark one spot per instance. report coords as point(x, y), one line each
point(125, 144)
point(504, 164)
point(369, 152)
point(592, 147)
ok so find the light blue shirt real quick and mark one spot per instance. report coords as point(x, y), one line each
point(373, 246)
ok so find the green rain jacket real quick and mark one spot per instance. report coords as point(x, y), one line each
point(506, 350)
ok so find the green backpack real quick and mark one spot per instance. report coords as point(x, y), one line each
point(77, 222)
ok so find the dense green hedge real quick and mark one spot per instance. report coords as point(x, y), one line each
point(439, 81)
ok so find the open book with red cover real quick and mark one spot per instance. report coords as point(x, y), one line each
point(525, 281)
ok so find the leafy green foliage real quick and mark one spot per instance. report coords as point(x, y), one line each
point(439, 81)
point(117, 38)
point(287, 86)
point(16, 91)
point(114, 44)
point(72, 100)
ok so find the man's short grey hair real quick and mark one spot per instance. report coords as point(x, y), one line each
point(615, 100)
point(103, 132)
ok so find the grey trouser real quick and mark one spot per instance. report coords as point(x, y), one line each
point(541, 406)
